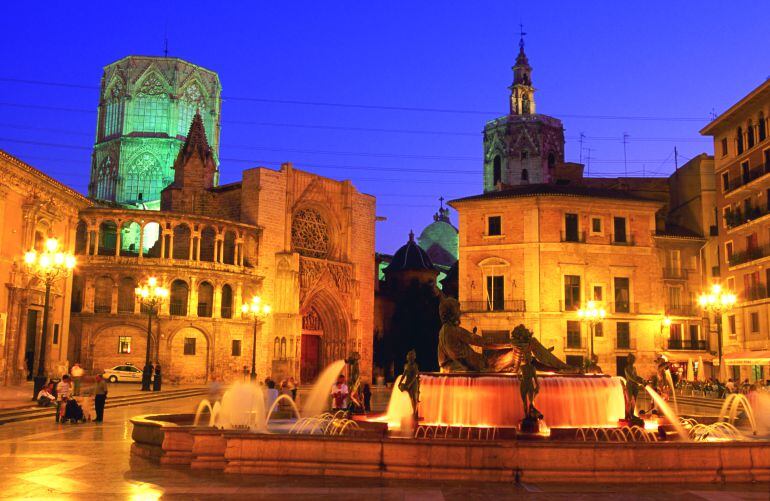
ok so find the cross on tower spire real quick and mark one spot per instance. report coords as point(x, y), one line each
point(441, 199)
point(522, 33)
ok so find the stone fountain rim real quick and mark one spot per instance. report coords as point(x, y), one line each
point(510, 375)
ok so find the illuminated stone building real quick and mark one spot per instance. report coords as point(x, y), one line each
point(302, 242)
point(33, 207)
point(146, 105)
point(742, 158)
point(543, 240)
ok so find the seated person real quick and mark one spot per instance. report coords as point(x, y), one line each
point(45, 397)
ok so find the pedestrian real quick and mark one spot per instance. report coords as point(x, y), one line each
point(340, 394)
point(100, 397)
point(45, 397)
point(292, 386)
point(63, 393)
point(77, 373)
point(156, 381)
point(367, 391)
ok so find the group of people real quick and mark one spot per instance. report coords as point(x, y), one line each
point(70, 404)
point(355, 400)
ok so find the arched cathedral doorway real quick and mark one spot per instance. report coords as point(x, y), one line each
point(324, 336)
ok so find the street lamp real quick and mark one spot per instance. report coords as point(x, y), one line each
point(717, 301)
point(592, 314)
point(47, 266)
point(150, 295)
point(258, 311)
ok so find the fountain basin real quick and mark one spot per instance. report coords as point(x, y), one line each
point(494, 400)
point(165, 438)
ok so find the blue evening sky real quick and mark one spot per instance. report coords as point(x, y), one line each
point(672, 62)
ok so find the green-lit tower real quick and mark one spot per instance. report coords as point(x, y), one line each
point(146, 105)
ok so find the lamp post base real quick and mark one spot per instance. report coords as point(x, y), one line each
point(253, 377)
point(38, 384)
point(146, 378)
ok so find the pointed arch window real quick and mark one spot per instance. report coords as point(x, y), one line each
point(750, 135)
point(113, 114)
point(191, 100)
point(739, 140)
point(762, 127)
point(143, 179)
point(497, 170)
point(150, 108)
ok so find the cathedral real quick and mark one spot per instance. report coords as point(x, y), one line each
point(301, 242)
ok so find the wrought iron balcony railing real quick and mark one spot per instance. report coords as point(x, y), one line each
point(506, 305)
point(688, 344)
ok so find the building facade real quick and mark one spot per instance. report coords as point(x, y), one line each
point(33, 207)
point(146, 105)
point(742, 165)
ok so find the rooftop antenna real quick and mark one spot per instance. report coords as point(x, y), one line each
point(165, 39)
point(582, 136)
point(713, 114)
point(588, 162)
point(625, 162)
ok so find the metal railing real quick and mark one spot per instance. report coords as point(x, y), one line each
point(682, 309)
point(102, 307)
point(204, 310)
point(748, 255)
point(748, 177)
point(739, 217)
point(675, 273)
point(576, 237)
point(227, 312)
point(688, 344)
point(624, 307)
point(629, 240)
point(178, 308)
point(574, 341)
point(507, 305)
point(625, 342)
point(755, 292)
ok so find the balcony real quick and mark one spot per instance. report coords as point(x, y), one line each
point(748, 255)
point(688, 344)
point(178, 308)
point(516, 305)
point(755, 293)
point(675, 273)
point(740, 217)
point(627, 240)
point(624, 307)
point(204, 310)
point(682, 310)
point(573, 236)
point(748, 177)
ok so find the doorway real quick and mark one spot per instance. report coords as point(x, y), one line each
point(310, 357)
point(29, 348)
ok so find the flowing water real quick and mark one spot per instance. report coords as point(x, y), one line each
point(670, 381)
point(317, 400)
point(668, 412)
point(399, 414)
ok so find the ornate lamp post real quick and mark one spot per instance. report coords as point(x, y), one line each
point(717, 301)
point(150, 295)
point(47, 266)
point(592, 314)
point(258, 311)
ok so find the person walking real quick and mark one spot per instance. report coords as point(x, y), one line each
point(77, 373)
point(100, 397)
point(367, 391)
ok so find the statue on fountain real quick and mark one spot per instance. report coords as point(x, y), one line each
point(455, 352)
point(354, 382)
point(633, 384)
point(410, 381)
point(529, 386)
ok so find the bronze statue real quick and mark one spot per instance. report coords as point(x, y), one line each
point(354, 381)
point(455, 352)
point(529, 386)
point(633, 384)
point(410, 381)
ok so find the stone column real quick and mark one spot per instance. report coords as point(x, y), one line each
point(118, 239)
point(216, 308)
point(192, 302)
point(141, 244)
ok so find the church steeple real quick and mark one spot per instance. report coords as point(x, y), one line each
point(522, 92)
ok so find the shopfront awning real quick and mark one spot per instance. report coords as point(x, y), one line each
point(761, 357)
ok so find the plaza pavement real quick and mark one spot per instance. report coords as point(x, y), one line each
point(43, 460)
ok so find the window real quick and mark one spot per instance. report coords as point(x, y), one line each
point(761, 127)
point(235, 348)
point(623, 335)
point(495, 293)
point(103, 295)
point(571, 292)
point(675, 261)
point(599, 329)
point(55, 333)
point(497, 170)
point(124, 345)
point(571, 233)
point(126, 295)
point(674, 298)
point(226, 306)
point(725, 182)
point(739, 140)
point(620, 230)
point(745, 171)
point(524, 154)
point(596, 226)
point(622, 295)
point(494, 226)
point(189, 346)
point(724, 146)
point(731, 283)
point(726, 216)
point(728, 251)
point(731, 325)
point(694, 336)
point(750, 135)
point(573, 334)
point(178, 298)
point(524, 175)
point(754, 322)
point(598, 293)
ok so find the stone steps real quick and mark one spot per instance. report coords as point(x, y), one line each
point(34, 412)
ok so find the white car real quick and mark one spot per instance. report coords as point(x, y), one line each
point(123, 373)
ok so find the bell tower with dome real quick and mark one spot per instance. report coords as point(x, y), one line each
point(522, 147)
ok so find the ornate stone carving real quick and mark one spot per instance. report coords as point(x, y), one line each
point(310, 234)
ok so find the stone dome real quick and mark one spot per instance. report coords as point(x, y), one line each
point(440, 239)
point(410, 257)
